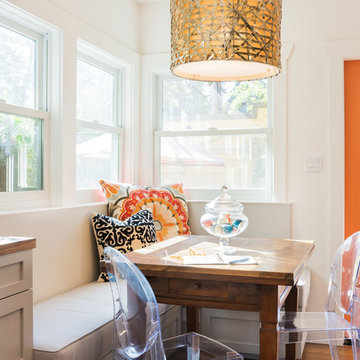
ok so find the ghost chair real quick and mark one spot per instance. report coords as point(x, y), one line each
point(342, 300)
point(137, 332)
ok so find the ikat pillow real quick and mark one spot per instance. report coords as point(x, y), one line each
point(167, 204)
point(136, 232)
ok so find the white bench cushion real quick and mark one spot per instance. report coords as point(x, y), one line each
point(76, 325)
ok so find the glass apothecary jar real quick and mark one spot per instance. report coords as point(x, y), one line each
point(224, 218)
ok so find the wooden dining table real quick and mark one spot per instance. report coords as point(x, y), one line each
point(263, 287)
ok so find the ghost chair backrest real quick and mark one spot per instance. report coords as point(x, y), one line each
point(137, 324)
point(344, 274)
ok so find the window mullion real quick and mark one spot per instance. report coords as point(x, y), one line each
point(23, 111)
point(175, 133)
point(100, 127)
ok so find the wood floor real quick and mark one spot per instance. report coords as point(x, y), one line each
point(311, 352)
point(318, 352)
point(321, 352)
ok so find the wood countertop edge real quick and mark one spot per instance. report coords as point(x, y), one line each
point(17, 245)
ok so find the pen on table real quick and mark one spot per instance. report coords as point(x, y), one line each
point(239, 261)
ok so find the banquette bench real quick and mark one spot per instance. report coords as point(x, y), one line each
point(79, 321)
point(78, 324)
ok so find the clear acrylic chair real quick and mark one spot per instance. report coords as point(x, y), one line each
point(137, 332)
point(342, 299)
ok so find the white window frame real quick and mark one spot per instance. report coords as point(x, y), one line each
point(27, 26)
point(204, 194)
point(107, 62)
point(154, 64)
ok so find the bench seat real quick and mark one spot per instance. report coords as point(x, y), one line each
point(78, 324)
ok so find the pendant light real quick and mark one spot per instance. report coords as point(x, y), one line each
point(225, 40)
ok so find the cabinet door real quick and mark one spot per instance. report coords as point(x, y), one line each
point(15, 273)
point(16, 333)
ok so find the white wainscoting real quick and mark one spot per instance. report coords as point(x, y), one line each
point(65, 255)
point(266, 219)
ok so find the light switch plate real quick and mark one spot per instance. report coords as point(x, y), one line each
point(313, 163)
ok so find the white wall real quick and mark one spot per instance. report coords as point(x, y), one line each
point(120, 27)
point(154, 20)
point(113, 29)
point(307, 25)
point(65, 255)
point(115, 19)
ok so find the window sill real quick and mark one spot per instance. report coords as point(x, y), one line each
point(46, 207)
point(255, 202)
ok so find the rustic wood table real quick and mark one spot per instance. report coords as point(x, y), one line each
point(264, 287)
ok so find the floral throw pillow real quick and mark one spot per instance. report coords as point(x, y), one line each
point(166, 203)
point(136, 232)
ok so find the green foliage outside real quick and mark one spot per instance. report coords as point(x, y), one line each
point(247, 96)
point(20, 135)
point(20, 138)
point(214, 98)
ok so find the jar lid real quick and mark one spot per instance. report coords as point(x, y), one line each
point(224, 204)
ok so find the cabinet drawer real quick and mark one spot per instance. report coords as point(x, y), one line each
point(16, 333)
point(15, 273)
point(198, 288)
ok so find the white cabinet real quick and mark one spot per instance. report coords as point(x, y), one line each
point(16, 301)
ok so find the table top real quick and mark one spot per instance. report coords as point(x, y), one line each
point(11, 244)
point(280, 261)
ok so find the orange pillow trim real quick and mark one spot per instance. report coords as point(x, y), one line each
point(166, 203)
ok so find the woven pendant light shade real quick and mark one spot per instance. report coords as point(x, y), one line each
point(225, 40)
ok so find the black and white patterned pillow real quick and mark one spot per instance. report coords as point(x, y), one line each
point(136, 232)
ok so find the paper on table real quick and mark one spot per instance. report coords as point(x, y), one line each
point(201, 259)
point(219, 259)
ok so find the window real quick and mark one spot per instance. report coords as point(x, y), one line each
point(99, 119)
point(212, 133)
point(22, 107)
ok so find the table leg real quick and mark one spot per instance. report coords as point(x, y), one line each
point(269, 337)
point(192, 319)
point(291, 304)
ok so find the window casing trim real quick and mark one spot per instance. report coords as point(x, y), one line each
point(249, 194)
point(154, 65)
point(22, 24)
point(116, 67)
point(41, 58)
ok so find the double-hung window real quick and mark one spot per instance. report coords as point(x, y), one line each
point(23, 107)
point(211, 134)
point(99, 120)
